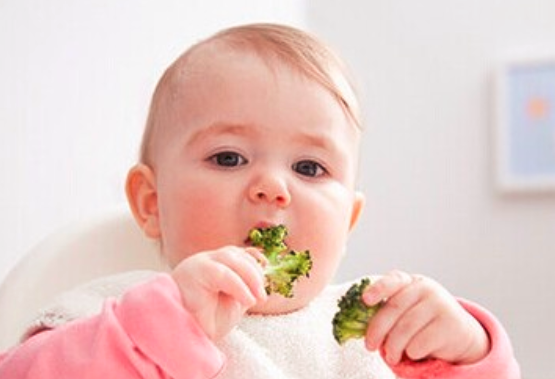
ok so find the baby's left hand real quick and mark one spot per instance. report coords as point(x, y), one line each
point(420, 320)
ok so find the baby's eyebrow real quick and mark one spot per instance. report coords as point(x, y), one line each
point(318, 140)
point(220, 128)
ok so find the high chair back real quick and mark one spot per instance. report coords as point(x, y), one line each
point(103, 245)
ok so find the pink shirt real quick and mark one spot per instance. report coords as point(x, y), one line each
point(148, 334)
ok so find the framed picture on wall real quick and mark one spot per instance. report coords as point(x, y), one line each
point(525, 125)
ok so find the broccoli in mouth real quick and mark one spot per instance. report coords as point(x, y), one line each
point(351, 321)
point(284, 267)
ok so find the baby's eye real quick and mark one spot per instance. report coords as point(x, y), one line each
point(228, 159)
point(309, 168)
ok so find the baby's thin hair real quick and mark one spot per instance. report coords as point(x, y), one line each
point(284, 44)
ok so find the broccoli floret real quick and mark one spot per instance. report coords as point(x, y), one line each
point(351, 321)
point(283, 268)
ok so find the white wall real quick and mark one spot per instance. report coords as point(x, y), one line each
point(425, 72)
point(75, 83)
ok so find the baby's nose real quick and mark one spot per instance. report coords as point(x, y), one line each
point(270, 189)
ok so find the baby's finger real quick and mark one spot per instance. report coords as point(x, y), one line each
point(258, 256)
point(424, 343)
point(391, 311)
point(405, 332)
point(386, 287)
point(246, 267)
point(225, 280)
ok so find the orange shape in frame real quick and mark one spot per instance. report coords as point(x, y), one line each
point(537, 108)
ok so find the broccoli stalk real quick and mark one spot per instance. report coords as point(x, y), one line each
point(283, 268)
point(351, 321)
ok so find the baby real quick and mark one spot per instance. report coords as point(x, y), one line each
point(254, 127)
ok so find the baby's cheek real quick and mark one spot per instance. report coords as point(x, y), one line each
point(325, 263)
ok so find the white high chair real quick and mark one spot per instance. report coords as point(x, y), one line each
point(104, 245)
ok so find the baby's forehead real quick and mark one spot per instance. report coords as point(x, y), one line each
point(208, 59)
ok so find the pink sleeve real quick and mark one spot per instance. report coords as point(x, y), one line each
point(147, 334)
point(500, 363)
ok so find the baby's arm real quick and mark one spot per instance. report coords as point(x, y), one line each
point(147, 334)
point(423, 330)
point(161, 329)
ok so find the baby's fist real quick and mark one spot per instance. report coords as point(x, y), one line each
point(420, 319)
point(217, 287)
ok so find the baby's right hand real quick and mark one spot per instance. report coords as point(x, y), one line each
point(217, 287)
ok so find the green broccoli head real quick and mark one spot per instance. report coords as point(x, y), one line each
point(351, 321)
point(270, 240)
point(283, 268)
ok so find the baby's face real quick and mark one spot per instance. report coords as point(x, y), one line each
point(246, 145)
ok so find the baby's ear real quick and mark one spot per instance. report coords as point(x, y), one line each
point(142, 197)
